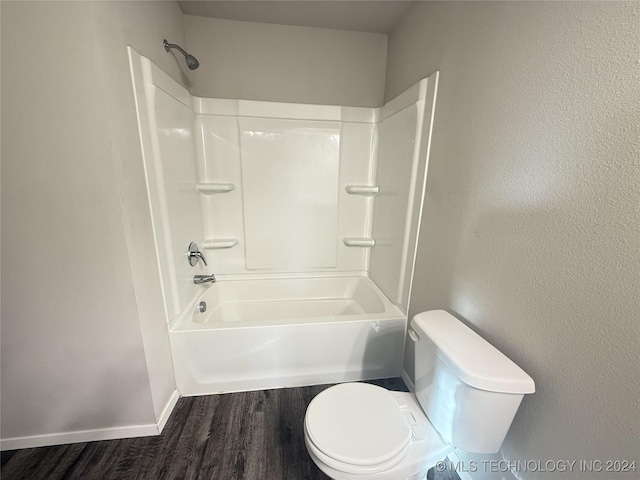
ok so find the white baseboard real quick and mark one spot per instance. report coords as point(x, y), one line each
point(82, 436)
point(407, 381)
point(79, 436)
point(166, 411)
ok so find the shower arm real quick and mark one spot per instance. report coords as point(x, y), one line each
point(168, 45)
point(191, 61)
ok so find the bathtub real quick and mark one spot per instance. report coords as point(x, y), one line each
point(286, 332)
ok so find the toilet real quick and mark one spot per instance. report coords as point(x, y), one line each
point(466, 395)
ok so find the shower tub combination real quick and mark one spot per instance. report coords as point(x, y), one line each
point(308, 217)
point(272, 333)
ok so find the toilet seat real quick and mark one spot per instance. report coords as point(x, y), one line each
point(360, 431)
point(359, 426)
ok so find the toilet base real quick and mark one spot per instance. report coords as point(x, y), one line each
point(338, 475)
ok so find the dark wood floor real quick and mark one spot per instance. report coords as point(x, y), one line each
point(249, 435)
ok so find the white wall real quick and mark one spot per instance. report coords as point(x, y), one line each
point(531, 223)
point(142, 25)
point(166, 120)
point(83, 348)
point(404, 138)
point(258, 61)
point(288, 165)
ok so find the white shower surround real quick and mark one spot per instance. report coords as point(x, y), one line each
point(298, 206)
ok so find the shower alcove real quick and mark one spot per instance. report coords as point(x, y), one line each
point(308, 215)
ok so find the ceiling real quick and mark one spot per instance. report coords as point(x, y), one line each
point(356, 15)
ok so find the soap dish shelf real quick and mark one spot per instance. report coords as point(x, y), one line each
point(359, 241)
point(362, 189)
point(211, 188)
point(219, 243)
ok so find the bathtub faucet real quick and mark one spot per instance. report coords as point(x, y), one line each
point(198, 279)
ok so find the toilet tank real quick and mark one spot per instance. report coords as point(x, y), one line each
point(469, 389)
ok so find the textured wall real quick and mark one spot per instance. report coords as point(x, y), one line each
point(258, 61)
point(531, 220)
point(82, 348)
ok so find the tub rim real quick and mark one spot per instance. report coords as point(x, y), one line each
point(183, 322)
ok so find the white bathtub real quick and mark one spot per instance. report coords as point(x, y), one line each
point(273, 333)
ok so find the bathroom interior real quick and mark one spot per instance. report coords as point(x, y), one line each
point(201, 198)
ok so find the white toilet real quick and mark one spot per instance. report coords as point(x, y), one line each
point(466, 395)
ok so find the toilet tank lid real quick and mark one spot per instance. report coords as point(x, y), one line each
point(471, 358)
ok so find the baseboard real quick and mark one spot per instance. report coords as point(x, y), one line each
point(166, 411)
point(79, 436)
point(407, 381)
point(83, 436)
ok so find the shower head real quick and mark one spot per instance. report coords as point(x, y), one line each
point(192, 62)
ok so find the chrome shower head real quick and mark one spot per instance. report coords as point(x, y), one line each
point(192, 62)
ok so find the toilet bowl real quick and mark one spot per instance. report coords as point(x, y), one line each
point(466, 395)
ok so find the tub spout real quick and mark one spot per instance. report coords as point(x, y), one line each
point(198, 279)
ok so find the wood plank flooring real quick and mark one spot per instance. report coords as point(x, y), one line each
point(249, 436)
